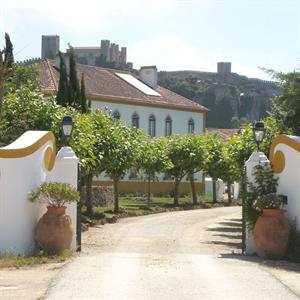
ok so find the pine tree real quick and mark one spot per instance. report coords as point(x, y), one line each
point(74, 89)
point(83, 100)
point(8, 51)
point(62, 93)
point(6, 70)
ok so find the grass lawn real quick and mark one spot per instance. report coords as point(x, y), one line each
point(17, 261)
point(136, 206)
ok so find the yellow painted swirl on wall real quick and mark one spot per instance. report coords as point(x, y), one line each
point(277, 158)
point(49, 153)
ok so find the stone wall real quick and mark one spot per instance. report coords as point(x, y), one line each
point(101, 195)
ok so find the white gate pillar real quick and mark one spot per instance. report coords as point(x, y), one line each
point(255, 159)
point(66, 171)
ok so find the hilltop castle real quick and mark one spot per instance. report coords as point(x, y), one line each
point(106, 55)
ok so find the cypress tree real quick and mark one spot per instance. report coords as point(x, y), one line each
point(74, 89)
point(8, 52)
point(62, 93)
point(83, 100)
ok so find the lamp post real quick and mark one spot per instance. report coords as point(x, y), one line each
point(259, 131)
point(67, 128)
point(67, 125)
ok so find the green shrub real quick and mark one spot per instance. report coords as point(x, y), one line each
point(55, 194)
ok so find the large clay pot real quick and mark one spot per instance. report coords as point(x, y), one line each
point(54, 230)
point(271, 234)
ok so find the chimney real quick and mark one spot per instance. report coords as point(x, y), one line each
point(148, 75)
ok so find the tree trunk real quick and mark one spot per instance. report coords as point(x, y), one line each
point(229, 193)
point(176, 192)
point(116, 194)
point(149, 189)
point(89, 200)
point(193, 188)
point(214, 187)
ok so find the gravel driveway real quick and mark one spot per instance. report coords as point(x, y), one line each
point(179, 255)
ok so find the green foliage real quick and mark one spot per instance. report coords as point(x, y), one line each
point(25, 109)
point(186, 156)
point(153, 156)
point(55, 194)
point(286, 108)
point(74, 89)
point(24, 76)
point(83, 100)
point(6, 69)
point(264, 184)
point(63, 85)
point(264, 181)
point(8, 51)
point(213, 159)
point(268, 201)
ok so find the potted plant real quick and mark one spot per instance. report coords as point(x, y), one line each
point(54, 230)
point(271, 230)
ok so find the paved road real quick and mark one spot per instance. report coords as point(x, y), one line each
point(179, 255)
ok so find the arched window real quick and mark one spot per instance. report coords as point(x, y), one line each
point(191, 126)
point(135, 120)
point(168, 126)
point(152, 125)
point(116, 116)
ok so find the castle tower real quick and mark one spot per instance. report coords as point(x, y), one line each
point(104, 51)
point(50, 46)
point(114, 53)
point(123, 55)
point(224, 67)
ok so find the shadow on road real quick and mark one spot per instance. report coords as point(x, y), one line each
point(282, 264)
point(228, 234)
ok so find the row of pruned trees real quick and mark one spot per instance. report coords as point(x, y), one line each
point(114, 148)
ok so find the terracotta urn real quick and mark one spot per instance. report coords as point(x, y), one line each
point(54, 230)
point(271, 233)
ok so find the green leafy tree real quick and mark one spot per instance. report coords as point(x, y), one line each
point(195, 161)
point(27, 76)
point(8, 51)
point(214, 164)
point(152, 159)
point(231, 171)
point(120, 153)
point(25, 109)
point(63, 85)
point(6, 70)
point(286, 108)
point(182, 156)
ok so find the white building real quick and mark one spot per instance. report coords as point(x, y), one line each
point(139, 102)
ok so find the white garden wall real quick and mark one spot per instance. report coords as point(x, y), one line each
point(285, 158)
point(24, 165)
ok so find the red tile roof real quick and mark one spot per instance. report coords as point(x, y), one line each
point(104, 85)
point(223, 133)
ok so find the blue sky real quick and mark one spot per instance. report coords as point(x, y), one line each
point(172, 34)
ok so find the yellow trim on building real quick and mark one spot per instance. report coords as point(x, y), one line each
point(49, 154)
point(277, 158)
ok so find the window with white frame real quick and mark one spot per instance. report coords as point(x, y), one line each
point(168, 126)
point(152, 125)
point(116, 116)
point(191, 126)
point(135, 120)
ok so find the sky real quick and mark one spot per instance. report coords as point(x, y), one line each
point(171, 34)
